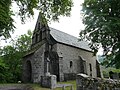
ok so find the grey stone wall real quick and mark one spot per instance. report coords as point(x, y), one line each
point(26, 69)
point(66, 55)
point(37, 65)
point(84, 82)
point(69, 53)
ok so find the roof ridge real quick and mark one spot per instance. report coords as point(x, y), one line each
point(63, 32)
point(68, 39)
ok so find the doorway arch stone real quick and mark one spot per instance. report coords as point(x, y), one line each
point(28, 72)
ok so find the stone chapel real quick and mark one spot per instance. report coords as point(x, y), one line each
point(65, 54)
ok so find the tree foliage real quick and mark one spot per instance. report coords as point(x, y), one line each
point(52, 9)
point(3, 70)
point(11, 58)
point(102, 27)
point(6, 21)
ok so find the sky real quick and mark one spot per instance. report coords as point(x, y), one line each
point(71, 25)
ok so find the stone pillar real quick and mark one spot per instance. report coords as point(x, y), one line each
point(61, 69)
point(45, 62)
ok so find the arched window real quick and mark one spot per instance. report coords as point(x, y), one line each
point(90, 65)
point(39, 26)
point(36, 38)
point(71, 64)
point(40, 35)
point(82, 64)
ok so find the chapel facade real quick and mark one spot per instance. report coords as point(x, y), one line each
point(65, 54)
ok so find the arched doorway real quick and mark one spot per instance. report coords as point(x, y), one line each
point(54, 64)
point(28, 72)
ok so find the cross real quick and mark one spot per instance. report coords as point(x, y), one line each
point(48, 73)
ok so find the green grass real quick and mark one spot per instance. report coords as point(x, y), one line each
point(68, 82)
point(38, 87)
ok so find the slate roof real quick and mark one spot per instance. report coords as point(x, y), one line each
point(65, 38)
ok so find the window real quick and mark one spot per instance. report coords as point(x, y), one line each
point(71, 64)
point(33, 40)
point(85, 69)
point(39, 26)
point(40, 35)
point(36, 38)
point(82, 64)
point(90, 65)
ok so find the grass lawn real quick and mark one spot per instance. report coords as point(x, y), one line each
point(37, 87)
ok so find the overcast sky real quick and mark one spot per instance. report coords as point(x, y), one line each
point(71, 25)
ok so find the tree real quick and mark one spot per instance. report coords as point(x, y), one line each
point(51, 9)
point(102, 27)
point(3, 70)
point(6, 21)
point(12, 57)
